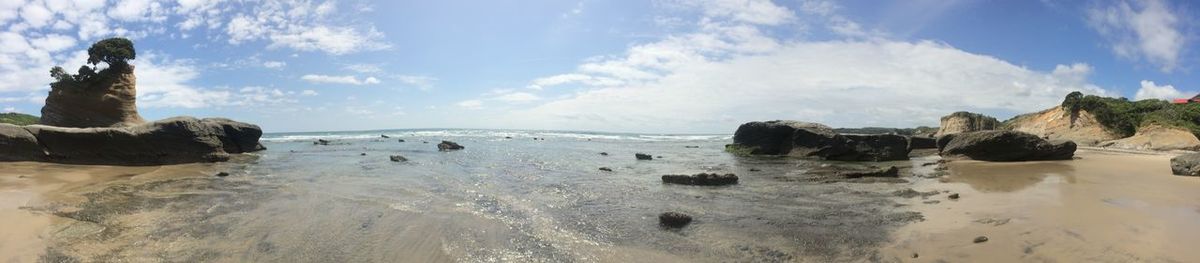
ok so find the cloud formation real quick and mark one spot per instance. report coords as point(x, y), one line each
point(347, 79)
point(1147, 30)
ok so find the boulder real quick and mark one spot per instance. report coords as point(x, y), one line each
point(804, 139)
point(1187, 164)
point(170, 141)
point(642, 156)
point(921, 142)
point(398, 158)
point(109, 101)
point(449, 146)
point(1004, 146)
point(701, 179)
point(966, 122)
point(674, 220)
point(1157, 138)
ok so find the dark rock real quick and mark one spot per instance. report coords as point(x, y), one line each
point(889, 172)
point(918, 142)
point(815, 140)
point(658, 157)
point(222, 174)
point(915, 255)
point(642, 156)
point(691, 146)
point(170, 141)
point(397, 158)
point(362, 154)
point(910, 193)
point(321, 142)
point(981, 239)
point(508, 137)
point(1187, 164)
point(953, 196)
point(449, 146)
point(606, 169)
point(384, 136)
point(1006, 146)
point(604, 153)
point(701, 179)
point(400, 140)
point(754, 169)
point(674, 220)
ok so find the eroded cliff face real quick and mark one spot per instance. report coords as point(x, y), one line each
point(108, 102)
point(1158, 138)
point(1058, 124)
point(962, 121)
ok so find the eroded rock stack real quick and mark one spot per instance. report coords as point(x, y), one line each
point(108, 101)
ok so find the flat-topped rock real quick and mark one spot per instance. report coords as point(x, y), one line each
point(804, 139)
point(1004, 146)
point(170, 141)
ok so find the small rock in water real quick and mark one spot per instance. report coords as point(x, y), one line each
point(658, 157)
point(604, 153)
point(362, 154)
point(384, 136)
point(508, 137)
point(222, 174)
point(449, 146)
point(954, 196)
point(401, 140)
point(424, 141)
point(642, 156)
point(700, 179)
point(691, 146)
point(674, 220)
point(606, 169)
point(397, 158)
point(754, 169)
point(981, 239)
point(321, 142)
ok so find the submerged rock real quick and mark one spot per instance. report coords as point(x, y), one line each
point(805, 139)
point(397, 158)
point(384, 136)
point(222, 174)
point(170, 141)
point(674, 219)
point(889, 172)
point(701, 179)
point(642, 156)
point(1005, 146)
point(606, 169)
point(449, 146)
point(604, 153)
point(321, 142)
point(1187, 164)
point(400, 140)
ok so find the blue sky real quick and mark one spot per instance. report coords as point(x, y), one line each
point(661, 66)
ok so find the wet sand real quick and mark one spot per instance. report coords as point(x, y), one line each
point(1101, 207)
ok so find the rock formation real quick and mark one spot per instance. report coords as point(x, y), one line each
point(449, 146)
point(700, 179)
point(804, 139)
point(110, 101)
point(1059, 124)
point(1004, 146)
point(1157, 138)
point(170, 141)
point(1187, 164)
point(966, 122)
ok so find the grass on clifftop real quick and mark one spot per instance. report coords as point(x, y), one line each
point(18, 118)
point(1123, 117)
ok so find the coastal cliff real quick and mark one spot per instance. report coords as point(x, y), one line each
point(1058, 124)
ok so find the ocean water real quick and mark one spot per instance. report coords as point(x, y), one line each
point(507, 197)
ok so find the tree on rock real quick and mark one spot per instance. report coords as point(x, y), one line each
point(115, 51)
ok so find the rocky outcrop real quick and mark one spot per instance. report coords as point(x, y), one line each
point(108, 101)
point(169, 141)
point(1057, 123)
point(962, 121)
point(1187, 164)
point(921, 142)
point(1005, 146)
point(701, 179)
point(804, 139)
point(1157, 138)
point(639, 156)
point(449, 146)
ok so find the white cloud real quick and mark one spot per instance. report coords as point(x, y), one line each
point(421, 82)
point(762, 12)
point(1165, 92)
point(274, 64)
point(308, 92)
point(1142, 30)
point(364, 68)
point(349, 80)
point(470, 104)
point(164, 84)
point(518, 97)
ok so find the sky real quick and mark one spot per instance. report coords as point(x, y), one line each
point(647, 66)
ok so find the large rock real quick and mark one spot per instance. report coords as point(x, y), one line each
point(805, 139)
point(1187, 164)
point(921, 142)
point(1004, 146)
point(1057, 123)
point(962, 121)
point(169, 141)
point(1157, 138)
point(110, 101)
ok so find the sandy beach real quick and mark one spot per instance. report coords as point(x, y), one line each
point(1102, 207)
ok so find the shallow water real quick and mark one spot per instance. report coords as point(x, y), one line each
point(499, 200)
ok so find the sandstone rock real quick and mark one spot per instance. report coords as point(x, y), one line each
point(19, 144)
point(1006, 146)
point(701, 179)
point(449, 146)
point(962, 121)
point(674, 220)
point(815, 140)
point(108, 102)
point(1157, 138)
point(169, 141)
point(1187, 164)
point(1059, 124)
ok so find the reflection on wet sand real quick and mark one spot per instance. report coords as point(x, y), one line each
point(1102, 207)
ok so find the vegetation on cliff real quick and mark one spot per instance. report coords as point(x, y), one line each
point(115, 52)
point(18, 118)
point(1123, 117)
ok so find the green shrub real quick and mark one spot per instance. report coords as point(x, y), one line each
point(116, 52)
point(18, 118)
point(1123, 117)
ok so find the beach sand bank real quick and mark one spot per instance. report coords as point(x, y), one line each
point(1101, 207)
